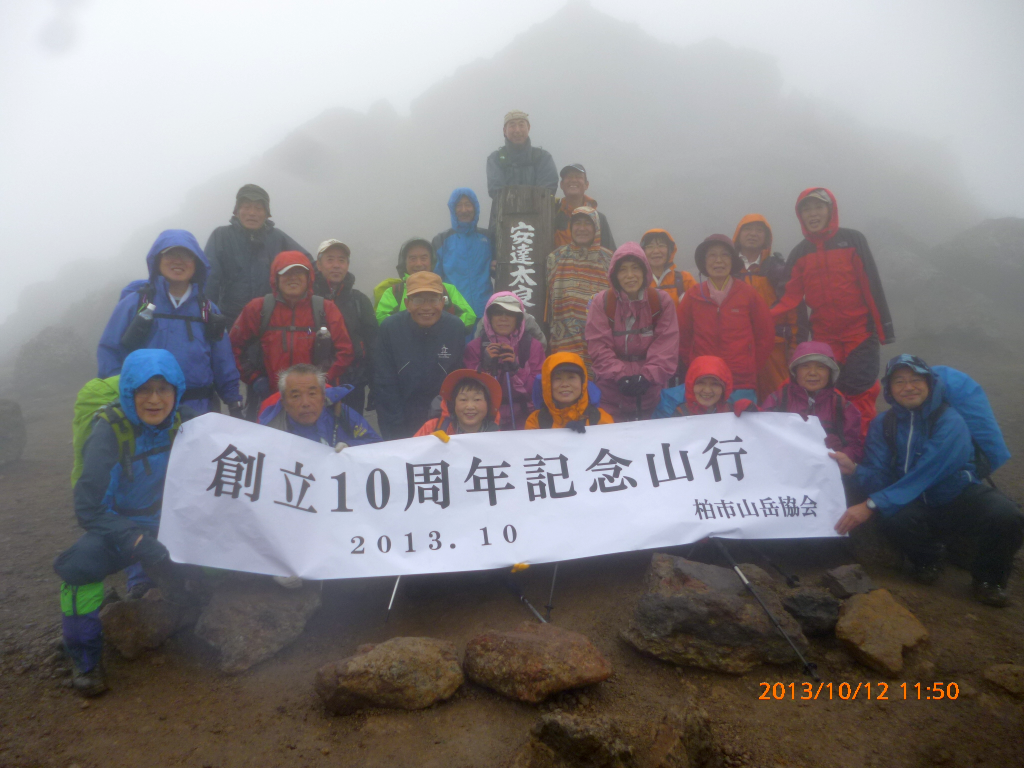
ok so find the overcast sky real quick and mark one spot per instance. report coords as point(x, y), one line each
point(110, 110)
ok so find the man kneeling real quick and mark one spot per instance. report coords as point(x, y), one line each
point(309, 408)
point(923, 481)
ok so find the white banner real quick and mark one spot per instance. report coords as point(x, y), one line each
point(248, 498)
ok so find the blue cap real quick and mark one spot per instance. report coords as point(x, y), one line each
point(913, 362)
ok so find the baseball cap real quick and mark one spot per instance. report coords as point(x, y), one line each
point(508, 303)
point(423, 282)
point(253, 193)
point(328, 243)
point(818, 194)
point(291, 266)
point(516, 114)
point(572, 167)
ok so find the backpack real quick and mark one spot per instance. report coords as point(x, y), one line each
point(967, 397)
point(252, 355)
point(398, 290)
point(214, 325)
point(838, 414)
point(100, 399)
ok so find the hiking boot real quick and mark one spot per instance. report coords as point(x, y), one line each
point(927, 574)
point(91, 683)
point(991, 593)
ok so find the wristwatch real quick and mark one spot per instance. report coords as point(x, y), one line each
point(870, 504)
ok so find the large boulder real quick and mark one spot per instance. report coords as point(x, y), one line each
point(876, 629)
point(815, 610)
point(701, 615)
point(250, 621)
point(12, 432)
point(534, 661)
point(402, 673)
point(134, 626)
point(683, 739)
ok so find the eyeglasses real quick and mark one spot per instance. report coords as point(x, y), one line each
point(421, 300)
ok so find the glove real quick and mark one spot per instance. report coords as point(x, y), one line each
point(235, 410)
point(147, 550)
point(340, 447)
point(580, 425)
point(441, 435)
point(625, 385)
point(641, 385)
point(742, 405)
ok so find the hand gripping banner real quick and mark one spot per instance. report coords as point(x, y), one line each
point(248, 498)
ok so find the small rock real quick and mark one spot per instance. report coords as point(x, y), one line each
point(402, 673)
point(534, 661)
point(815, 610)
point(968, 691)
point(1009, 677)
point(13, 435)
point(847, 580)
point(876, 629)
point(250, 621)
point(134, 626)
point(701, 615)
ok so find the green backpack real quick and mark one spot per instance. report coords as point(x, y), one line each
point(96, 394)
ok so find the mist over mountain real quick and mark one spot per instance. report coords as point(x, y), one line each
point(683, 138)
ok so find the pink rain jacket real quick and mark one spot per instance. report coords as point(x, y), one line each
point(632, 342)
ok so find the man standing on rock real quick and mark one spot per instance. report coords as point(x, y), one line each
point(416, 349)
point(518, 162)
point(922, 478)
point(240, 253)
point(574, 185)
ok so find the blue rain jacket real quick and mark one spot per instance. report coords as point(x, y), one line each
point(322, 431)
point(107, 500)
point(204, 364)
point(934, 465)
point(464, 255)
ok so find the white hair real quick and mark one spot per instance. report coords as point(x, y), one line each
point(301, 369)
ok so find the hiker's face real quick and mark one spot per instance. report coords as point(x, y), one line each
point(813, 376)
point(630, 275)
point(517, 131)
point(574, 184)
point(417, 259)
point(582, 231)
point(909, 388)
point(425, 308)
point(252, 214)
point(566, 388)
point(657, 249)
point(293, 283)
point(707, 391)
point(470, 409)
point(154, 401)
point(303, 398)
point(814, 214)
point(502, 321)
point(718, 262)
point(465, 210)
point(753, 237)
point(177, 265)
point(333, 264)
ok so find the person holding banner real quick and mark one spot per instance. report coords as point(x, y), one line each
point(725, 317)
point(632, 336)
point(416, 349)
point(920, 472)
point(509, 345)
point(117, 501)
point(469, 404)
point(566, 402)
point(707, 389)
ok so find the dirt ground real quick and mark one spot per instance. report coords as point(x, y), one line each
point(173, 708)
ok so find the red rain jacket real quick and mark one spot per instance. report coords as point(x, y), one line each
point(834, 272)
point(285, 348)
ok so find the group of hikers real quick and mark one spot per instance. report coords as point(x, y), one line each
point(625, 335)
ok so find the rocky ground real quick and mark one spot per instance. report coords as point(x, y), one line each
point(174, 705)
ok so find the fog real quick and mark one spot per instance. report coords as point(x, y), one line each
point(118, 119)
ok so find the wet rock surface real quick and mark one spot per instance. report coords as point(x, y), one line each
point(847, 580)
point(135, 626)
point(876, 630)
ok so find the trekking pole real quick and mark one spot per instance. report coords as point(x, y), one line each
point(809, 667)
point(392, 600)
point(518, 592)
point(551, 597)
point(792, 580)
point(511, 405)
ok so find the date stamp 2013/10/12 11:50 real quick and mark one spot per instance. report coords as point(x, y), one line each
point(844, 691)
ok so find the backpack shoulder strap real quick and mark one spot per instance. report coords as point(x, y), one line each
point(319, 313)
point(342, 421)
point(654, 302)
point(269, 302)
point(124, 431)
point(934, 416)
point(544, 418)
point(397, 289)
point(611, 301)
point(839, 415)
point(592, 414)
point(783, 406)
point(523, 351)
